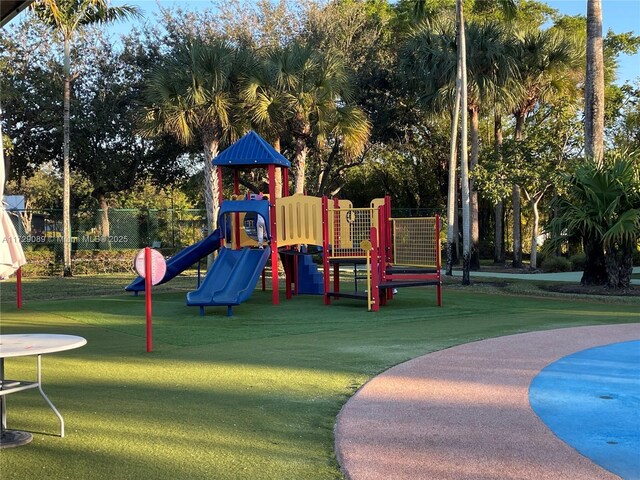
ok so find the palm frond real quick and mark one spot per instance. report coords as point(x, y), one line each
point(626, 229)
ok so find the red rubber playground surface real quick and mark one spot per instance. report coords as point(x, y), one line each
point(464, 413)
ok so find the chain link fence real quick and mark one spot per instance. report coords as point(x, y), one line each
point(123, 229)
point(106, 242)
point(118, 229)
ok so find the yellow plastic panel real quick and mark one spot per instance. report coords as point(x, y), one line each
point(375, 203)
point(299, 220)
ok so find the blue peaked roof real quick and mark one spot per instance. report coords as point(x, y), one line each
point(250, 150)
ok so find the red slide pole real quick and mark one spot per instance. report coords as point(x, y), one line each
point(19, 287)
point(147, 288)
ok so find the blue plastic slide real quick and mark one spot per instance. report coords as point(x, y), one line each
point(231, 279)
point(183, 260)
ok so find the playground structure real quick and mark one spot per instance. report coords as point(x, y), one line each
point(389, 253)
point(395, 253)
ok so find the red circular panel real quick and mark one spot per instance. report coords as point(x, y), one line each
point(158, 265)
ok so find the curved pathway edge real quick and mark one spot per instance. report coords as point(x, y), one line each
point(463, 413)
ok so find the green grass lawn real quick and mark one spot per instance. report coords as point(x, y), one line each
point(253, 396)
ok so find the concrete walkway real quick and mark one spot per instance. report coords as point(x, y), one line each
point(570, 277)
point(463, 413)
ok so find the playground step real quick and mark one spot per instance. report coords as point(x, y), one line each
point(357, 296)
point(398, 284)
point(419, 270)
point(310, 280)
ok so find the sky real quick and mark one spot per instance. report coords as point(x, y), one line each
point(617, 15)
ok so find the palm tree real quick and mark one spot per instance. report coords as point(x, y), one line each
point(66, 18)
point(430, 68)
point(194, 96)
point(602, 210)
point(268, 103)
point(436, 69)
point(490, 66)
point(282, 93)
point(431, 53)
point(544, 62)
point(461, 84)
point(594, 84)
point(318, 88)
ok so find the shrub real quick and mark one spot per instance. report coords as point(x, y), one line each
point(88, 262)
point(45, 263)
point(40, 263)
point(578, 262)
point(556, 264)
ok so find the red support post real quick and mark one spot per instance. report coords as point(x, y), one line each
point(236, 231)
point(274, 237)
point(336, 222)
point(19, 287)
point(147, 289)
point(336, 242)
point(388, 233)
point(383, 247)
point(388, 239)
point(325, 249)
point(375, 263)
point(236, 216)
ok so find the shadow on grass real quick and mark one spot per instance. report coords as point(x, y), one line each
point(251, 396)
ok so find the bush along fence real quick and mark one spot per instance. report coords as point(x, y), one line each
point(103, 243)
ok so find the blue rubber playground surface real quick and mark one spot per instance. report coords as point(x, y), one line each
point(591, 400)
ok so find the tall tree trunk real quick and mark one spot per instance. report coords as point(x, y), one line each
point(498, 248)
point(278, 179)
point(301, 164)
point(452, 205)
point(556, 231)
point(66, 173)
point(498, 252)
point(456, 228)
point(105, 243)
point(211, 186)
point(279, 192)
point(324, 177)
point(619, 265)
point(301, 158)
point(516, 204)
point(595, 272)
point(534, 200)
point(474, 115)
point(464, 165)
point(594, 84)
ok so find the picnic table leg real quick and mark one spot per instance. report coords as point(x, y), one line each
point(9, 438)
point(55, 410)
